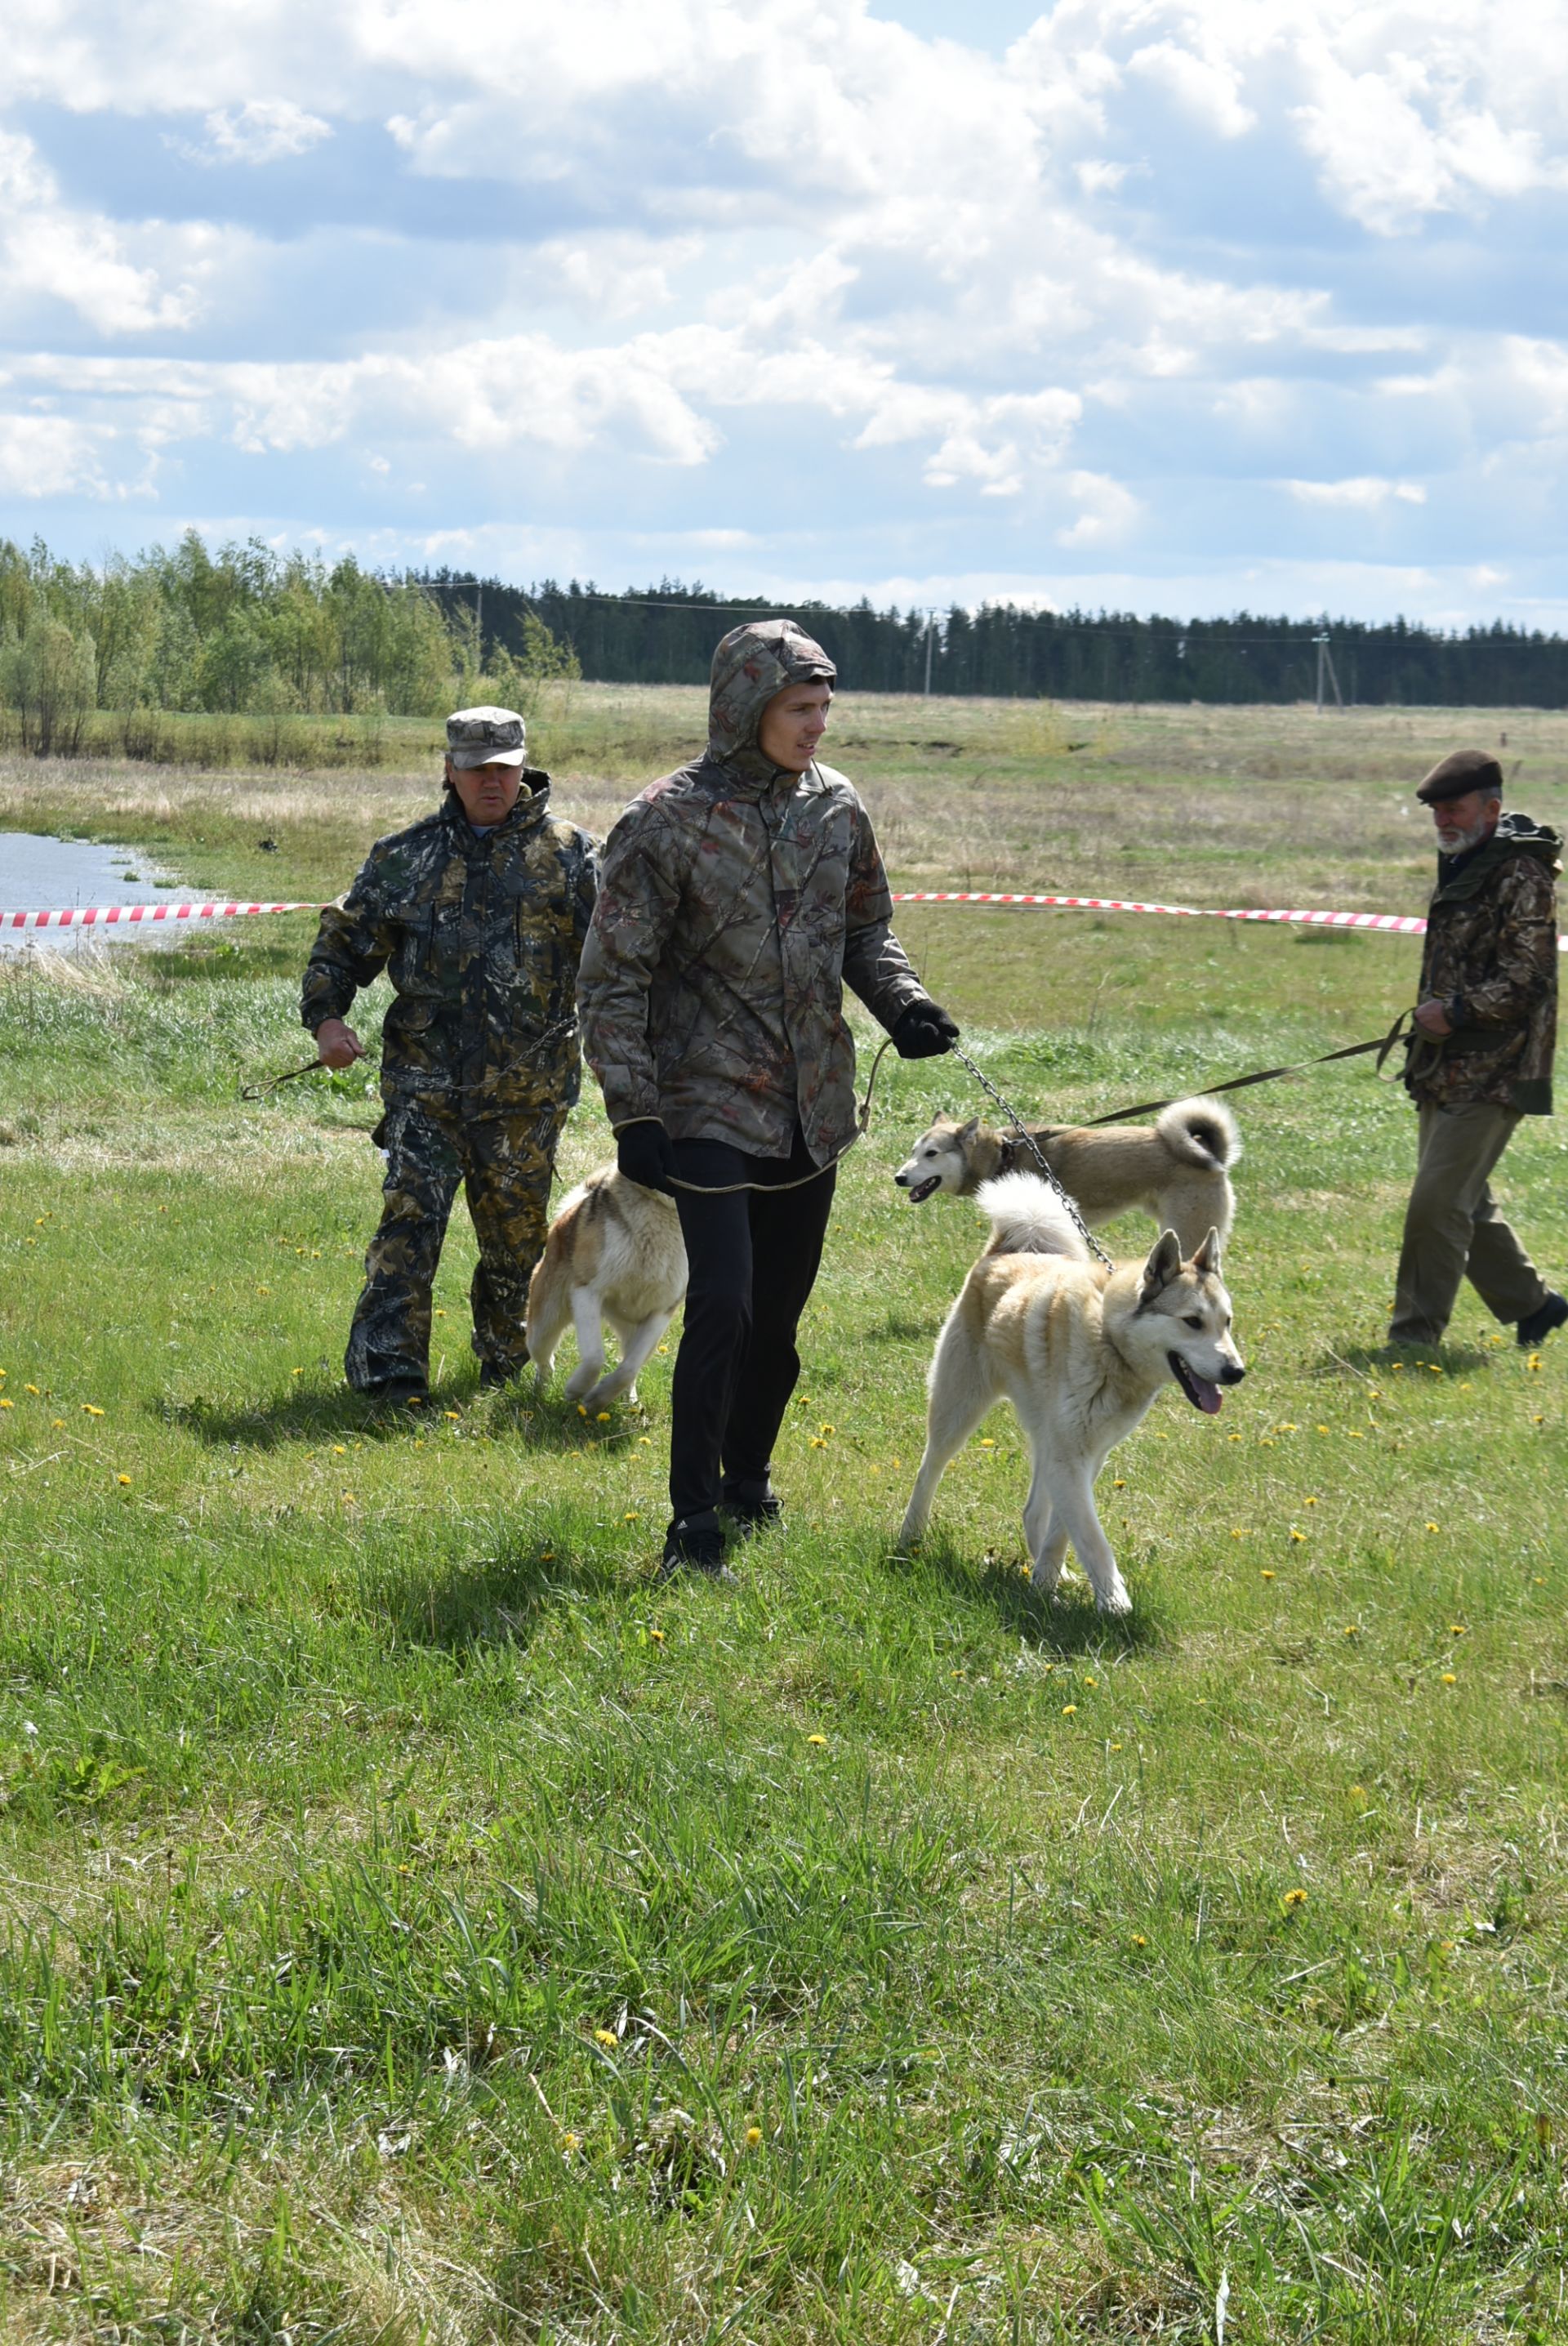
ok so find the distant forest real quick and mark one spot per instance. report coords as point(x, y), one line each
point(666, 634)
point(248, 631)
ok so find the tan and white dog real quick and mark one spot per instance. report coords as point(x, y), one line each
point(1080, 1351)
point(614, 1252)
point(1178, 1169)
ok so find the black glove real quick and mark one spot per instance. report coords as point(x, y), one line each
point(645, 1153)
point(923, 1031)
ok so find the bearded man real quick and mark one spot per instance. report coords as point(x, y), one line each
point(1481, 1057)
point(738, 896)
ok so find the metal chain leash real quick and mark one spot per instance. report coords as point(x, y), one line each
point(1016, 1121)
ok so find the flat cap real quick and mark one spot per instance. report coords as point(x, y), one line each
point(1461, 771)
point(485, 737)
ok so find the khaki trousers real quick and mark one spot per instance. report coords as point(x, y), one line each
point(1453, 1229)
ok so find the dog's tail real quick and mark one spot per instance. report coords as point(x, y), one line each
point(1200, 1132)
point(1026, 1217)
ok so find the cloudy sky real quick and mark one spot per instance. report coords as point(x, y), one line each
point(1183, 305)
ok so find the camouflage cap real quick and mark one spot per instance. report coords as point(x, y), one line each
point(1461, 771)
point(485, 737)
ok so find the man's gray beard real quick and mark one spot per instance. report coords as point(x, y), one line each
point(1457, 843)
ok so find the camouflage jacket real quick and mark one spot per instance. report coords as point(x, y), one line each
point(1491, 959)
point(736, 901)
point(481, 937)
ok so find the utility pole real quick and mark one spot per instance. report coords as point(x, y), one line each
point(1326, 671)
point(479, 617)
point(930, 642)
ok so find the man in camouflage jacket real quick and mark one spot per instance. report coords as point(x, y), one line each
point(478, 915)
point(1481, 1055)
point(739, 894)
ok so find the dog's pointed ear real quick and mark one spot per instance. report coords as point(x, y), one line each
point(968, 1131)
point(1205, 1261)
point(1164, 1262)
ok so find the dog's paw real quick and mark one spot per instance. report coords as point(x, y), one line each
point(1115, 1604)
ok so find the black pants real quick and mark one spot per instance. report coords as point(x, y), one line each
point(753, 1259)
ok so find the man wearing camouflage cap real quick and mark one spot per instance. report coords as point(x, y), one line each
point(739, 894)
point(478, 914)
point(1481, 1058)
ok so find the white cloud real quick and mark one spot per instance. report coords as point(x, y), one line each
point(1364, 494)
point(262, 130)
point(47, 456)
point(48, 249)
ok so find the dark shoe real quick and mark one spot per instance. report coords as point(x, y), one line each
point(1537, 1325)
point(752, 1507)
point(493, 1375)
point(408, 1391)
point(695, 1543)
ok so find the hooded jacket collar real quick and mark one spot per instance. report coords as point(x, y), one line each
point(1516, 834)
point(527, 813)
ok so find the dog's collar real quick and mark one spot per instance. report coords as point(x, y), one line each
point(1009, 1163)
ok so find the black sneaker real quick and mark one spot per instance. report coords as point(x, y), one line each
point(695, 1543)
point(495, 1375)
point(752, 1507)
point(1537, 1325)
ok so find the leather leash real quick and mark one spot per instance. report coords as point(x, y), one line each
point(1400, 1032)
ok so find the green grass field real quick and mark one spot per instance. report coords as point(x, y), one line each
point(414, 1925)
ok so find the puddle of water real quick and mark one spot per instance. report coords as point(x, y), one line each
point(39, 874)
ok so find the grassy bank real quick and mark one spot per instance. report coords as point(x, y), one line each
point(417, 1927)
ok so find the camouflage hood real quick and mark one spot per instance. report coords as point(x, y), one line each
point(751, 664)
point(1516, 834)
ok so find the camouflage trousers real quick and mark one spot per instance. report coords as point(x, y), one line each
point(505, 1163)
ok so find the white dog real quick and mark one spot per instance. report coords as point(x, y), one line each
point(1080, 1351)
point(614, 1252)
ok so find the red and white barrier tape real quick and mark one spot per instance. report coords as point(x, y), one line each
point(105, 916)
point(108, 916)
point(1409, 925)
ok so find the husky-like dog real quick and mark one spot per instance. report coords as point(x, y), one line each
point(1080, 1351)
point(614, 1252)
point(1178, 1169)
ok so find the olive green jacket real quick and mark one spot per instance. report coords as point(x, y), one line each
point(1490, 958)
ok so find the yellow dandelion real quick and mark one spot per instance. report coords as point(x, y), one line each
point(1116, 1747)
point(1293, 1898)
point(582, 1408)
point(441, 1313)
point(829, 1429)
point(339, 1450)
point(1069, 1710)
point(631, 1519)
point(90, 1409)
point(1539, 1578)
point(1288, 1429)
point(1451, 1678)
point(452, 1416)
point(988, 1443)
point(1234, 1438)
point(817, 1442)
point(1024, 1573)
point(655, 1636)
point(606, 2037)
point(1266, 1575)
point(816, 1738)
point(1352, 1628)
point(547, 1555)
point(1435, 1369)
point(1354, 1433)
point(58, 1425)
point(349, 1500)
point(296, 1373)
point(1139, 1940)
point(32, 1389)
point(5, 1403)
point(1309, 1503)
point(1236, 1531)
point(1119, 1485)
point(1457, 1629)
point(124, 1481)
point(1533, 1361)
point(571, 2142)
point(753, 2137)
point(1295, 1534)
point(663, 1348)
point(1320, 1429)
point(416, 1401)
point(1091, 1682)
point(1432, 1528)
point(263, 1291)
point(603, 1418)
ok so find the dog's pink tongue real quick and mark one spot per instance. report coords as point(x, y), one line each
point(1208, 1396)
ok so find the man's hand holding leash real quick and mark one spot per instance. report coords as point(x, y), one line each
point(337, 1044)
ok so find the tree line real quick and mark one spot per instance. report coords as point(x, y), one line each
point(247, 629)
point(666, 634)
